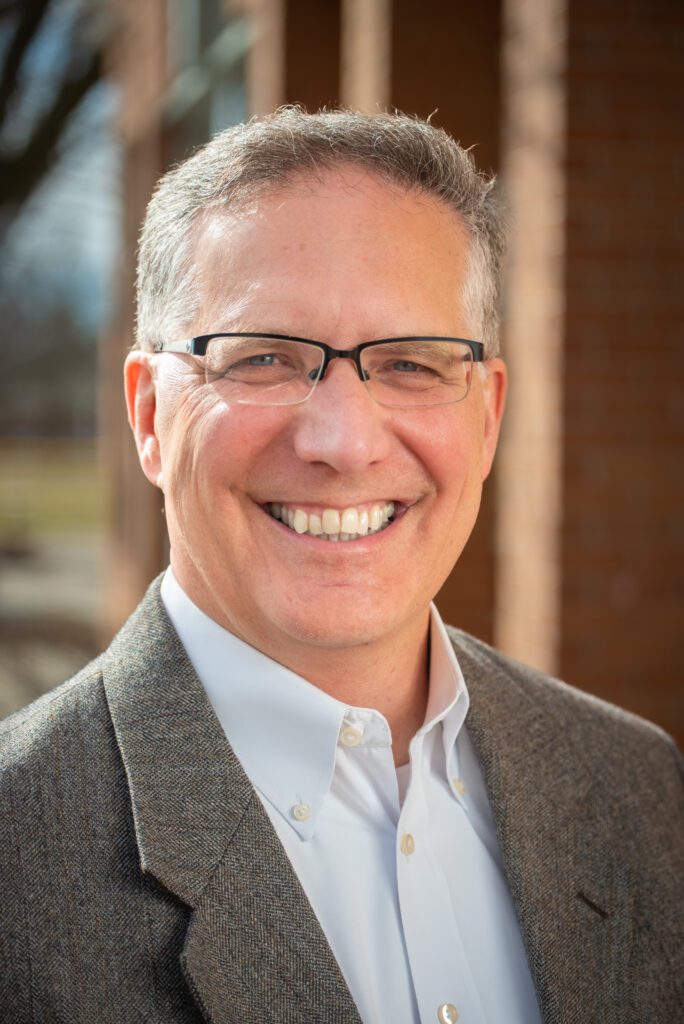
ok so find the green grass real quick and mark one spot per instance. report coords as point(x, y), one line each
point(49, 487)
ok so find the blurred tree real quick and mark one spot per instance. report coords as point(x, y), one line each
point(58, 180)
point(47, 385)
point(40, 91)
point(59, 211)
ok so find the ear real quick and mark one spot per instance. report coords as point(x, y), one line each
point(494, 388)
point(141, 402)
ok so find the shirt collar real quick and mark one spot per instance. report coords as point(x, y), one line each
point(448, 699)
point(284, 730)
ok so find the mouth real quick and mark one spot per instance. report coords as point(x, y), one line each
point(347, 524)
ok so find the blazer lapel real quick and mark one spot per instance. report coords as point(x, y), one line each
point(254, 949)
point(572, 896)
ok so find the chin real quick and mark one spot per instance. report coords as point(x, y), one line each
point(334, 628)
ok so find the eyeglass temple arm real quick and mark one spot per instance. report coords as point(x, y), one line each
point(187, 347)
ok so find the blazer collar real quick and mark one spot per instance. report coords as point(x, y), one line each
point(552, 810)
point(253, 939)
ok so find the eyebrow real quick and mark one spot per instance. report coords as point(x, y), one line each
point(444, 352)
point(249, 328)
point(420, 348)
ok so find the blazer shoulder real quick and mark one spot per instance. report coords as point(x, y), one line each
point(597, 724)
point(45, 723)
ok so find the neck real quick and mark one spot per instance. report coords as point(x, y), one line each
point(389, 674)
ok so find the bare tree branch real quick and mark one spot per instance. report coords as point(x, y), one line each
point(32, 12)
point(21, 172)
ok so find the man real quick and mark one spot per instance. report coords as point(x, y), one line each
point(286, 793)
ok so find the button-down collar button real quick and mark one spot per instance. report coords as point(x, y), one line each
point(407, 844)
point(350, 736)
point(301, 812)
point(447, 1014)
point(459, 786)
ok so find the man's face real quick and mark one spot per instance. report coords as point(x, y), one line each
point(341, 260)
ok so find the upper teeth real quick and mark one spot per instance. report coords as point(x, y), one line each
point(331, 524)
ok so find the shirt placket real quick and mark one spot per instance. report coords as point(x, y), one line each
point(444, 987)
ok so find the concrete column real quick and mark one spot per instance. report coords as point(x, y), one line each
point(137, 535)
point(365, 72)
point(265, 60)
point(528, 517)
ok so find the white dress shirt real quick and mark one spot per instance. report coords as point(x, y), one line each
point(409, 889)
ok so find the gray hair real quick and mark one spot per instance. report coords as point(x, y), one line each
point(243, 162)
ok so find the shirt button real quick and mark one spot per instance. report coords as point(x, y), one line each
point(301, 812)
point(350, 737)
point(447, 1014)
point(407, 844)
point(459, 786)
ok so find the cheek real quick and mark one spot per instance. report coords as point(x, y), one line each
point(208, 449)
point(449, 445)
point(182, 427)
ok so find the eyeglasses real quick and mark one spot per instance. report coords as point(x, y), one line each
point(277, 369)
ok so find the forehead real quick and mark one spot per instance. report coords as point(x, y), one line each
point(328, 244)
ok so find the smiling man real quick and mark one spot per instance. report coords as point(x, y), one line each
point(287, 792)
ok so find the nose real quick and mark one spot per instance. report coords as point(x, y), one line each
point(340, 424)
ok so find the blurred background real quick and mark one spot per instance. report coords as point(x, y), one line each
point(576, 562)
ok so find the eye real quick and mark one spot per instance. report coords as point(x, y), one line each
point(248, 358)
point(262, 359)
point(261, 362)
point(407, 366)
point(407, 370)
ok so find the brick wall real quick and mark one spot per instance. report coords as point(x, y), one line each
point(623, 484)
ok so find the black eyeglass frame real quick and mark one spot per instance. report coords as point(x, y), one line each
point(198, 347)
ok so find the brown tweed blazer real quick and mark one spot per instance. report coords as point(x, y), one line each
point(141, 880)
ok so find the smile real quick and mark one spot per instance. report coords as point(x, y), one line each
point(351, 523)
